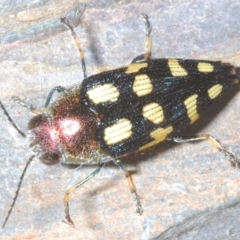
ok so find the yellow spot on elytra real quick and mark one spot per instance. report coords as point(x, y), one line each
point(160, 134)
point(135, 67)
point(205, 67)
point(118, 132)
point(215, 90)
point(191, 106)
point(142, 85)
point(176, 69)
point(153, 112)
point(104, 93)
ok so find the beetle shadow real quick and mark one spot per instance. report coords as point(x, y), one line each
point(93, 48)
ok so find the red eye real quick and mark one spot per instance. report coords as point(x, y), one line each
point(49, 158)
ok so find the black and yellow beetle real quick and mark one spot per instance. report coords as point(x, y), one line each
point(126, 110)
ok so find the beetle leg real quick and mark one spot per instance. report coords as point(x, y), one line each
point(59, 89)
point(78, 45)
point(75, 186)
point(148, 40)
point(214, 142)
point(131, 185)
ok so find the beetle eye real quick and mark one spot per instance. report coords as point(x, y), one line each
point(36, 121)
point(49, 158)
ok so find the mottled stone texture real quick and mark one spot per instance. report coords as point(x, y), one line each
point(188, 191)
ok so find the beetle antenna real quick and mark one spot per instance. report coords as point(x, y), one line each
point(11, 121)
point(18, 189)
